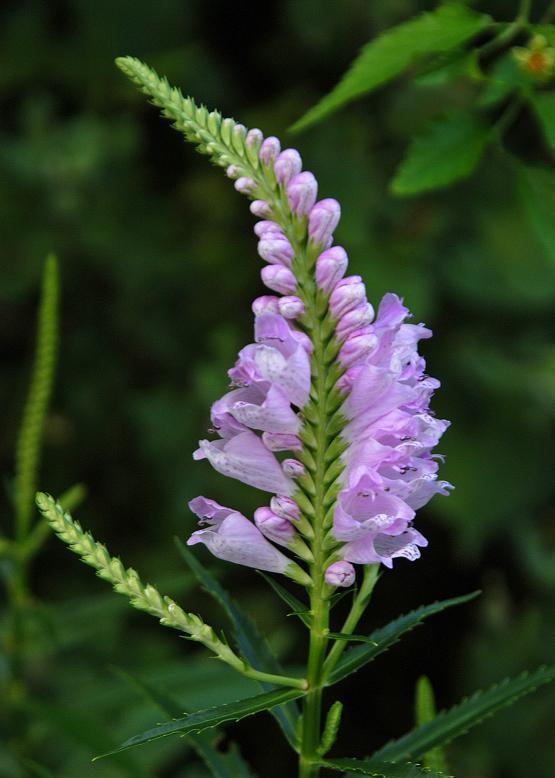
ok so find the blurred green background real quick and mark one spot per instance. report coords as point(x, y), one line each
point(159, 267)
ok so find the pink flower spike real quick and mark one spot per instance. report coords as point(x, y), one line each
point(273, 527)
point(330, 267)
point(279, 279)
point(245, 185)
point(269, 150)
point(268, 303)
point(293, 468)
point(340, 574)
point(301, 193)
point(287, 165)
point(322, 221)
point(260, 208)
point(291, 307)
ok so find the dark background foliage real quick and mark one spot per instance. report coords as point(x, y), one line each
point(159, 267)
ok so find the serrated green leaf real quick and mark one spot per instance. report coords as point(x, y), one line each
point(354, 638)
point(212, 717)
point(536, 188)
point(451, 723)
point(384, 637)
point(544, 107)
point(448, 149)
point(253, 647)
point(381, 769)
point(424, 711)
point(389, 54)
point(221, 765)
point(298, 608)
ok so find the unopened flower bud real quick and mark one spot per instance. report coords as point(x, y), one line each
point(260, 208)
point(245, 185)
point(268, 303)
point(254, 137)
point(269, 150)
point(233, 171)
point(330, 267)
point(286, 508)
point(291, 307)
point(340, 574)
point(358, 345)
point(353, 320)
point(281, 441)
point(301, 193)
point(347, 294)
point(267, 227)
point(293, 467)
point(273, 527)
point(287, 165)
point(276, 250)
point(322, 220)
point(279, 279)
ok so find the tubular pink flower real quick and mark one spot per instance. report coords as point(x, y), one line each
point(274, 527)
point(285, 507)
point(340, 574)
point(245, 185)
point(236, 539)
point(287, 165)
point(330, 267)
point(268, 303)
point(291, 307)
point(275, 249)
point(269, 150)
point(279, 279)
point(322, 220)
point(260, 208)
point(347, 294)
point(301, 193)
point(293, 468)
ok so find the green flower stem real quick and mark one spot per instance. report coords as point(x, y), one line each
point(145, 597)
point(360, 603)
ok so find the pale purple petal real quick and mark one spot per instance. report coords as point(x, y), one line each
point(237, 540)
point(247, 459)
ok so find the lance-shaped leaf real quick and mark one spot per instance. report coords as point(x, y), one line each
point(297, 607)
point(381, 769)
point(222, 765)
point(383, 58)
point(212, 717)
point(384, 637)
point(544, 107)
point(448, 149)
point(459, 719)
point(253, 647)
point(424, 711)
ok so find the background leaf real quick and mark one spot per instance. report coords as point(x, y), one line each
point(424, 711)
point(386, 56)
point(448, 149)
